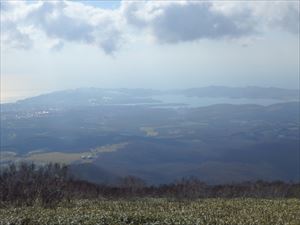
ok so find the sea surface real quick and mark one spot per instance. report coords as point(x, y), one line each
point(206, 101)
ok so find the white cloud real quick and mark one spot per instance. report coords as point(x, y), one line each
point(184, 21)
point(62, 21)
point(266, 14)
point(164, 21)
point(179, 21)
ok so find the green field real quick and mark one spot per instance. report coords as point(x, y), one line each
point(160, 211)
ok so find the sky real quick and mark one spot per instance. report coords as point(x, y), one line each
point(55, 45)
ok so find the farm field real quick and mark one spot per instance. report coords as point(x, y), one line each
point(160, 211)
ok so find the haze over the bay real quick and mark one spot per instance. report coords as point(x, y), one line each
point(55, 45)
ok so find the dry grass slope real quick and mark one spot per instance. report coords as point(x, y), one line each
point(160, 211)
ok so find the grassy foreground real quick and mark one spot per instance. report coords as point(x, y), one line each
point(160, 211)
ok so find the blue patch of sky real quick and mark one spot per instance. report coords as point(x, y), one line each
point(112, 4)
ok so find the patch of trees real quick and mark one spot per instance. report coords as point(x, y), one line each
point(48, 185)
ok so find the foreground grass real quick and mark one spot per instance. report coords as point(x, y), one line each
point(160, 211)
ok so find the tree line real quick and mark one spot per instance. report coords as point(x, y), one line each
point(48, 185)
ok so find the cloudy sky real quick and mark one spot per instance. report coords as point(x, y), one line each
point(54, 45)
